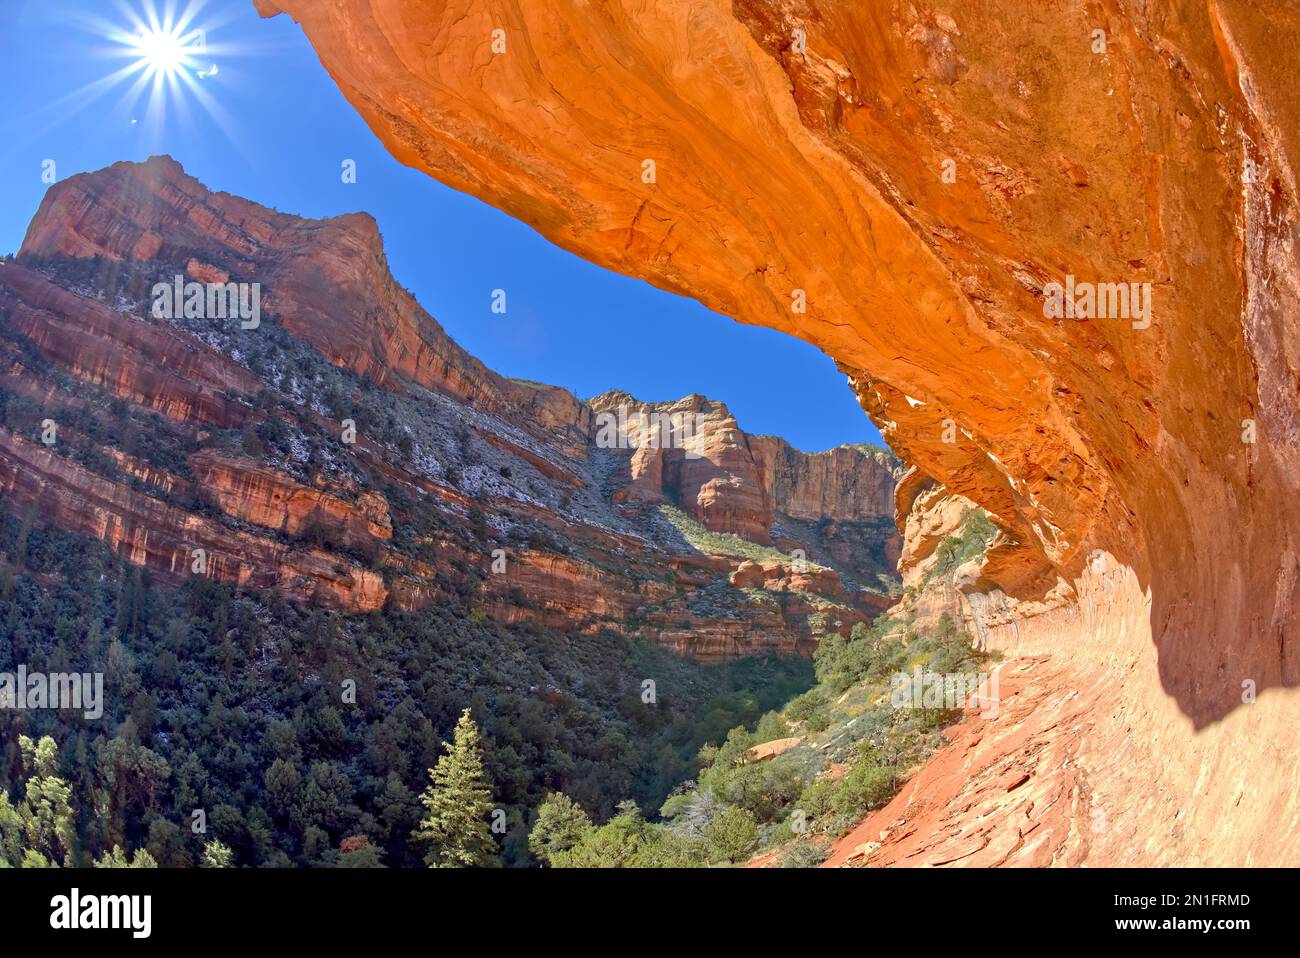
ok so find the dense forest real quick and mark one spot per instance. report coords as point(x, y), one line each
point(239, 729)
point(243, 730)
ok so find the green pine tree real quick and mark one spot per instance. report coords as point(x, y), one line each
point(732, 834)
point(561, 824)
point(217, 854)
point(40, 830)
point(119, 858)
point(458, 802)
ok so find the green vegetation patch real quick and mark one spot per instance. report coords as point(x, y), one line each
point(976, 533)
point(722, 543)
point(307, 737)
point(791, 803)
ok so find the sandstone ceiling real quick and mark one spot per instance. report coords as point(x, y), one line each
point(897, 182)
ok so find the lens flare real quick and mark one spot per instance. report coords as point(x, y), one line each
point(163, 52)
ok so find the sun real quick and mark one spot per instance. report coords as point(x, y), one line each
point(163, 52)
point(165, 85)
point(170, 68)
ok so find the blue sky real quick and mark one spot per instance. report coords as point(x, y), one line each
point(275, 129)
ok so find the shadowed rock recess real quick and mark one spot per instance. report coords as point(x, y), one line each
point(1143, 479)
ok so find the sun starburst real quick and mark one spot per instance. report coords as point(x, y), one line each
point(171, 67)
point(166, 52)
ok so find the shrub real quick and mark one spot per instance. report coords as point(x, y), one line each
point(804, 854)
point(977, 531)
point(771, 726)
point(731, 834)
point(866, 786)
point(818, 798)
point(865, 654)
point(802, 706)
point(561, 825)
point(818, 721)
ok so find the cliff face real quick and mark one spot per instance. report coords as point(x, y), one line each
point(900, 184)
point(346, 452)
point(267, 497)
point(49, 488)
point(156, 367)
point(834, 483)
point(155, 212)
point(692, 452)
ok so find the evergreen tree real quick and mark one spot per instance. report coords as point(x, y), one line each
point(217, 854)
point(561, 824)
point(41, 830)
point(731, 834)
point(11, 834)
point(118, 858)
point(458, 804)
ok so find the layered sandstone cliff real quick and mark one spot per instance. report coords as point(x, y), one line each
point(835, 483)
point(172, 542)
point(347, 453)
point(155, 212)
point(899, 184)
point(694, 453)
